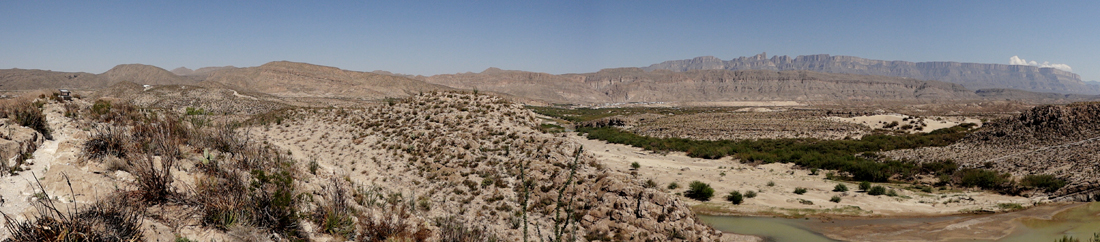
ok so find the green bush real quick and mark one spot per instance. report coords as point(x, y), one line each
point(799, 190)
point(985, 179)
point(1047, 183)
point(699, 191)
point(840, 188)
point(810, 153)
point(673, 186)
point(635, 166)
point(835, 199)
point(876, 190)
point(750, 194)
point(892, 193)
point(864, 186)
point(101, 107)
point(735, 197)
point(771, 183)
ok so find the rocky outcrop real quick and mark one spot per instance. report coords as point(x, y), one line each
point(971, 75)
point(1063, 141)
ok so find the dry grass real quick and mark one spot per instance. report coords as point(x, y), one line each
point(107, 220)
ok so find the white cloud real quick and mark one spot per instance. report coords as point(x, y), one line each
point(1016, 60)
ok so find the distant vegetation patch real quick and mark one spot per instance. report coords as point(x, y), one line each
point(850, 156)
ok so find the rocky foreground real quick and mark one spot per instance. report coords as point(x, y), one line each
point(431, 167)
point(466, 157)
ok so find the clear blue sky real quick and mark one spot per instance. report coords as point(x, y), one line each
point(420, 37)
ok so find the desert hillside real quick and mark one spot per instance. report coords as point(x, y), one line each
point(292, 79)
point(437, 166)
point(1061, 141)
point(20, 79)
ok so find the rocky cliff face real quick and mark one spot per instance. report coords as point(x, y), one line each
point(972, 75)
point(637, 85)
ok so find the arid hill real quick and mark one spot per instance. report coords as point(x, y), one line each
point(144, 74)
point(292, 79)
point(1063, 141)
point(20, 79)
point(637, 85)
point(534, 85)
point(972, 75)
point(213, 100)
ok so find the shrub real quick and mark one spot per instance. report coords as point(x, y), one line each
point(28, 114)
point(892, 193)
point(985, 179)
point(335, 216)
point(673, 186)
point(750, 194)
point(734, 197)
point(107, 141)
point(835, 199)
point(771, 183)
point(699, 191)
point(635, 166)
point(840, 188)
point(864, 186)
point(799, 190)
point(650, 184)
point(101, 107)
point(1047, 183)
point(876, 190)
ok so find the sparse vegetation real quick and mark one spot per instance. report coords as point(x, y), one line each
point(835, 199)
point(840, 188)
point(799, 190)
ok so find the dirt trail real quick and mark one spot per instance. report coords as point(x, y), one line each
point(18, 191)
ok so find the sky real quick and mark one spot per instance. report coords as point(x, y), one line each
point(440, 37)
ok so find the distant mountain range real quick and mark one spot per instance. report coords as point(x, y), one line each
point(699, 80)
point(971, 75)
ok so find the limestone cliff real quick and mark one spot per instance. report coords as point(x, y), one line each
point(972, 75)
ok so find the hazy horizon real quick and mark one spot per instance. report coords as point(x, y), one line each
point(429, 38)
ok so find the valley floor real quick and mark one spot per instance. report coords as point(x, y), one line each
point(779, 200)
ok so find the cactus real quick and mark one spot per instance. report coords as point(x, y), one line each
point(206, 157)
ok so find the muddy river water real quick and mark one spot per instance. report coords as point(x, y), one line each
point(1041, 223)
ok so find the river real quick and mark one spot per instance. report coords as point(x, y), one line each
point(1042, 223)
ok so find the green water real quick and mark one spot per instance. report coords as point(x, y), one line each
point(775, 229)
point(1080, 222)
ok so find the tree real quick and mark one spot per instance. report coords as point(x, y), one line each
point(699, 191)
point(635, 166)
